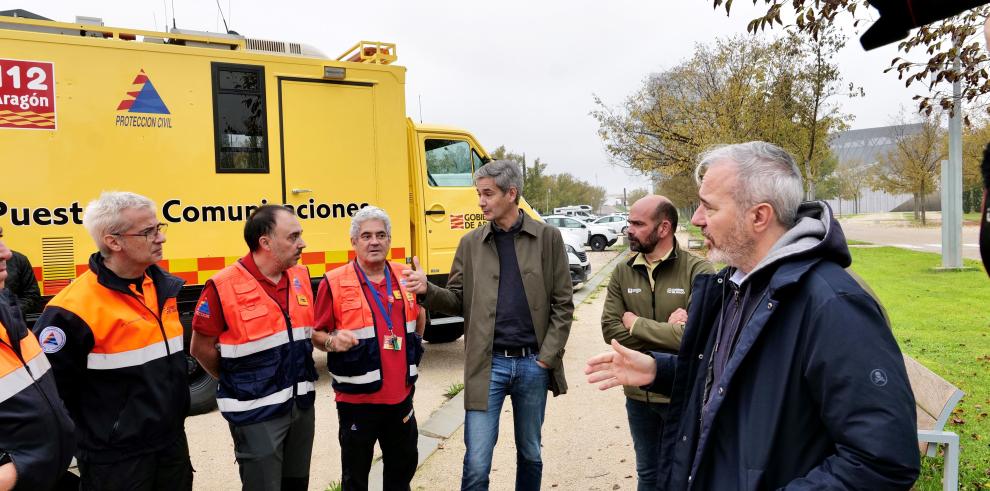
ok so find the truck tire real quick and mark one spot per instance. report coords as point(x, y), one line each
point(443, 333)
point(598, 243)
point(202, 389)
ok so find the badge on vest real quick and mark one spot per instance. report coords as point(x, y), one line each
point(393, 342)
point(302, 300)
point(397, 294)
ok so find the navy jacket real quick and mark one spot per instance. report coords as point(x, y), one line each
point(35, 428)
point(815, 394)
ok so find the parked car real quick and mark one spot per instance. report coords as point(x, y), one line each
point(616, 222)
point(570, 227)
point(577, 260)
point(597, 236)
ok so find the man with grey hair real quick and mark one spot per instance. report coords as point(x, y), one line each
point(371, 328)
point(511, 283)
point(788, 375)
point(115, 344)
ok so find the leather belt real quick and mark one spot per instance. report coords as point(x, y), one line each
point(514, 352)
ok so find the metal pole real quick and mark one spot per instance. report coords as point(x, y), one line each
point(952, 184)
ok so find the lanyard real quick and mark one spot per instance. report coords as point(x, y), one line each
point(386, 314)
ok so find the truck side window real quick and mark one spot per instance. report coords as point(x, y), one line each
point(448, 163)
point(241, 135)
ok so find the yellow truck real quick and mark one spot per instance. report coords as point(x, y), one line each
point(210, 126)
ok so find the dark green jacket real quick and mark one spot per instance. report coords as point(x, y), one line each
point(472, 292)
point(629, 291)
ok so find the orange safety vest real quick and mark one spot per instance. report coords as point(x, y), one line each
point(265, 363)
point(118, 354)
point(127, 330)
point(14, 375)
point(360, 371)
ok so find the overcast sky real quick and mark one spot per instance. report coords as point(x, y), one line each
point(514, 73)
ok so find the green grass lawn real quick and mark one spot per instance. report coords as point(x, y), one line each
point(973, 217)
point(943, 321)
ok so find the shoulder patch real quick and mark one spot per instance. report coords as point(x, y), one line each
point(203, 310)
point(52, 339)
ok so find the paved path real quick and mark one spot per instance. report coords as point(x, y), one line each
point(890, 229)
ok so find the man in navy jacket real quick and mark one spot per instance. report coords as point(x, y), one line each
point(787, 374)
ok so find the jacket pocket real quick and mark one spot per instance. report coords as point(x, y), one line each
point(254, 376)
point(353, 361)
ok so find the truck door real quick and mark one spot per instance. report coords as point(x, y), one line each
point(329, 161)
point(450, 199)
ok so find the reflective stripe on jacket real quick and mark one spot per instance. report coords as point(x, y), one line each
point(35, 428)
point(358, 370)
point(118, 360)
point(266, 356)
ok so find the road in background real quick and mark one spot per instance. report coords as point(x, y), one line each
point(892, 229)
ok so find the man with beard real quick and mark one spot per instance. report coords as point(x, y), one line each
point(645, 310)
point(787, 374)
point(251, 330)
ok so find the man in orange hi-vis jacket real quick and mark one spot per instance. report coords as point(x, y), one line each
point(114, 341)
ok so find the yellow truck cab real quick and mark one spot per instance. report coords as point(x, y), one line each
point(210, 126)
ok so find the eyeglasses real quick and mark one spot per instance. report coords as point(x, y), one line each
point(366, 237)
point(149, 233)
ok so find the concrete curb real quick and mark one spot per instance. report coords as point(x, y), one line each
point(446, 420)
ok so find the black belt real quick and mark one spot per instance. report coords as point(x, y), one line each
point(514, 352)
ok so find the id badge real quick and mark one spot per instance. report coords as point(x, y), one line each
point(390, 342)
point(397, 343)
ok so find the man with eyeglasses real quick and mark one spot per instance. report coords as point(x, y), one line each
point(114, 341)
point(371, 328)
point(251, 330)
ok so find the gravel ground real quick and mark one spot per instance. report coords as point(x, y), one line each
point(586, 441)
point(212, 449)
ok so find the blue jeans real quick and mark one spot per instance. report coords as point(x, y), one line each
point(646, 425)
point(526, 383)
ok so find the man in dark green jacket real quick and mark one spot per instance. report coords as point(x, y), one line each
point(511, 283)
point(645, 310)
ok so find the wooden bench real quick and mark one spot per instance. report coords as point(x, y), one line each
point(936, 399)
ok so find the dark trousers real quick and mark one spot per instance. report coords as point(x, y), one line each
point(393, 426)
point(274, 455)
point(167, 469)
point(646, 425)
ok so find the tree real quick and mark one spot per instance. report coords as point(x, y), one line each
point(680, 189)
point(941, 42)
point(635, 195)
point(733, 91)
point(544, 192)
point(818, 82)
point(912, 166)
point(849, 179)
point(975, 138)
point(723, 94)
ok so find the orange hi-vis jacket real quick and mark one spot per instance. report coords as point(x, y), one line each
point(35, 428)
point(266, 356)
point(358, 370)
point(119, 362)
